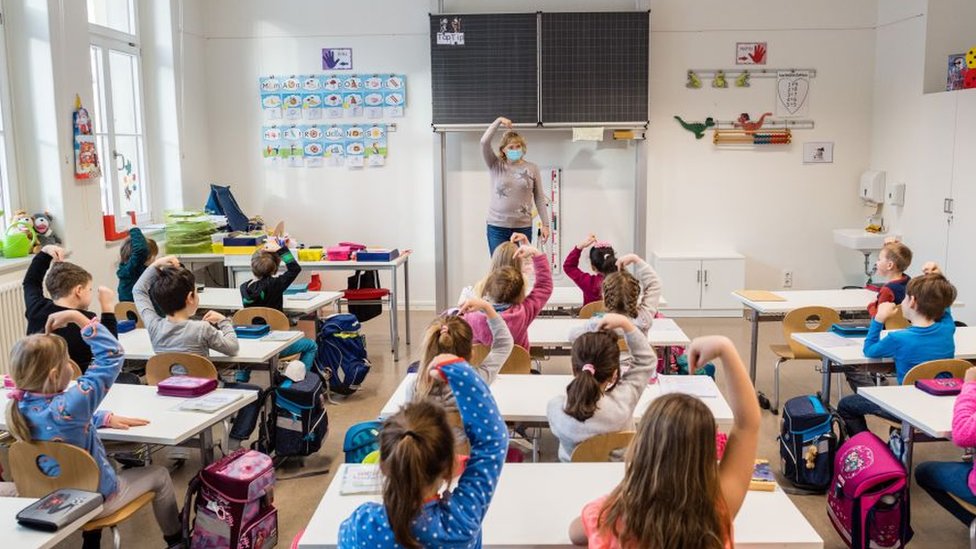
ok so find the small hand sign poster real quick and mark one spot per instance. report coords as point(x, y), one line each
point(750, 53)
point(337, 59)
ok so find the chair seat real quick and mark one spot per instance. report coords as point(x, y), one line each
point(782, 351)
point(121, 514)
point(365, 294)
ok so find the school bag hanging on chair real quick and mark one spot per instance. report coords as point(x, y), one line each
point(365, 286)
point(868, 502)
point(809, 435)
point(232, 504)
point(341, 356)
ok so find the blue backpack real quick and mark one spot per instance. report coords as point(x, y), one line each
point(342, 353)
point(361, 440)
point(809, 435)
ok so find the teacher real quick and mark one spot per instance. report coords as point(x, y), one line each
point(515, 185)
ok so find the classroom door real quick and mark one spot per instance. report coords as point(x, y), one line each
point(960, 265)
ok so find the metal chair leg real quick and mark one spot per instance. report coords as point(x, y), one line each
point(116, 538)
point(775, 409)
point(972, 534)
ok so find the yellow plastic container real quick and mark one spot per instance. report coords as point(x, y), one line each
point(239, 250)
point(217, 247)
point(310, 254)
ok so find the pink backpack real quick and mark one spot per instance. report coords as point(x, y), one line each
point(234, 503)
point(868, 502)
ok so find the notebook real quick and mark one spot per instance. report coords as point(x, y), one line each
point(58, 509)
point(209, 403)
point(301, 296)
point(359, 479)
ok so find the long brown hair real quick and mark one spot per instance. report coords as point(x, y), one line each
point(503, 256)
point(416, 450)
point(621, 293)
point(670, 495)
point(599, 350)
point(31, 361)
point(445, 335)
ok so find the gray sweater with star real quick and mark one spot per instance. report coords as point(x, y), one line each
point(514, 187)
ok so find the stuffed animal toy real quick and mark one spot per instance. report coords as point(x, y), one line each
point(810, 456)
point(42, 226)
point(20, 239)
point(748, 124)
point(24, 224)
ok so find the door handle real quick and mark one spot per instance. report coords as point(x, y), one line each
point(706, 278)
point(698, 278)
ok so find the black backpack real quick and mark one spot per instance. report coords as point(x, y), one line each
point(809, 436)
point(364, 280)
point(298, 422)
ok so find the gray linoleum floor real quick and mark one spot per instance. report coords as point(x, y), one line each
point(297, 498)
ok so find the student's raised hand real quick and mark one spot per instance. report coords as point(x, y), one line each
point(272, 246)
point(705, 349)
point(971, 375)
point(57, 252)
point(106, 298)
point(504, 121)
point(432, 369)
point(589, 241)
point(520, 239)
point(213, 317)
point(122, 422)
point(931, 267)
point(61, 319)
point(885, 310)
point(166, 261)
point(628, 259)
point(527, 250)
point(475, 304)
point(611, 321)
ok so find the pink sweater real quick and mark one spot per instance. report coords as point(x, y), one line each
point(964, 423)
point(518, 317)
point(591, 284)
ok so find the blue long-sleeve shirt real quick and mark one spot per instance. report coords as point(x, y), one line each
point(453, 521)
point(130, 271)
point(70, 416)
point(913, 345)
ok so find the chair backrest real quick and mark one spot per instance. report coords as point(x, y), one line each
point(272, 317)
point(478, 353)
point(162, 366)
point(454, 420)
point(599, 448)
point(77, 468)
point(518, 362)
point(75, 369)
point(806, 320)
point(126, 310)
point(953, 367)
point(897, 320)
point(591, 308)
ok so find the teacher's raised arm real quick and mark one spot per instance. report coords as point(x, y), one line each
point(515, 186)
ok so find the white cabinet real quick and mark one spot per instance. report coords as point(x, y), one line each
point(701, 284)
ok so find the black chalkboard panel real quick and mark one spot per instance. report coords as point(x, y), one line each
point(494, 73)
point(594, 67)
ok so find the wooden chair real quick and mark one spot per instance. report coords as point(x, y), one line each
point(518, 362)
point(970, 508)
point(601, 447)
point(272, 317)
point(947, 367)
point(591, 308)
point(75, 369)
point(78, 470)
point(126, 310)
point(161, 366)
point(802, 320)
point(897, 321)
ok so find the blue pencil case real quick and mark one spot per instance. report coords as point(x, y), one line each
point(849, 330)
point(124, 326)
point(252, 332)
point(297, 288)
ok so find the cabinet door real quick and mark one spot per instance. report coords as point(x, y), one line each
point(720, 278)
point(960, 264)
point(680, 280)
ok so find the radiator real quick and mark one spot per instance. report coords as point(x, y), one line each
point(13, 323)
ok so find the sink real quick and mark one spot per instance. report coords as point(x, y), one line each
point(861, 240)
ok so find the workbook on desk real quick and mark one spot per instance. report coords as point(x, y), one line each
point(831, 339)
point(277, 336)
point(697, 386)
point(209, 403)
point(360, 479)
point(301, 296)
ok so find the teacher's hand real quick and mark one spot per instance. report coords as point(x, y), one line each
point(545, 234)
point(504, 121)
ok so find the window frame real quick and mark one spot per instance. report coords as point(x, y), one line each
point(10, 192)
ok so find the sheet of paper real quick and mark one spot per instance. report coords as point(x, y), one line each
point(209, 403)
point(697, 386)
point(277, 336)
point(829, 340)
point(361, 479)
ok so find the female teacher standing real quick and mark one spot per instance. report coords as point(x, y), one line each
point(515, 185)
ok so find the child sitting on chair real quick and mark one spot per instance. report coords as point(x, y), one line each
point(603, 261)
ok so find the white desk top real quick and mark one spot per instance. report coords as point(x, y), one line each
point(554, 332)
point(253, 351)
point(572, 296)
point(22, 537)
point(229, 299)
point(841, 300)
point(167, 426)
point(928, 413)
point(524, 398)
point(559, 491)
point(848, 351)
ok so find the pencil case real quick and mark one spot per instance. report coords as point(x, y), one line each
point(185, 386)
point(946, 386)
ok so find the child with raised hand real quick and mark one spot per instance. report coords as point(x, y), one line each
point(600, 400)
point(675, 491)
point(603, 261)
point(135, 255)
point(417, 459)
point(943, 479)
point(44, 407)
point(504, 289)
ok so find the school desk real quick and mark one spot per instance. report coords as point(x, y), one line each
point(229, 299)
point(264, 350)
point(916, 409)
point(22, 537)
point(566, 300)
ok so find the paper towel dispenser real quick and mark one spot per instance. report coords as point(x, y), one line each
point(872, 188)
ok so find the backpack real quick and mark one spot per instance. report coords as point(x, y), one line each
point(361, 440)
point(807, 443)
point(365, 280)
point(868, 504)
point(222, 202)
point(233, 504)
point(298, 423)
point(341, 355)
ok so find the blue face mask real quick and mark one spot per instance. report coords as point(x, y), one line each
point(513, 155)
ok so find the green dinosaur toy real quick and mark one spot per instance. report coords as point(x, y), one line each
point(694, 82)
point(742, 81)
point(696, 128)
point(719, 81)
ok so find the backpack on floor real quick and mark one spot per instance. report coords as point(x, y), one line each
point(868, 503)
point(808, 440)
point(341, 356)
point(233, 506)
point(298, 422)
point(361, 440)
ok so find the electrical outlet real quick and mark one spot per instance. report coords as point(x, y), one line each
point(787, 279)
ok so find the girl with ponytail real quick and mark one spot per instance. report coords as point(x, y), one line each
point(600, 399)
point(417, 458)
point(603, 261)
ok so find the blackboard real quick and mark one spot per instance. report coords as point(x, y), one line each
point(594, 67)
point(494, 73)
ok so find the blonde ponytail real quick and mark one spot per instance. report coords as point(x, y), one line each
point(31, 361)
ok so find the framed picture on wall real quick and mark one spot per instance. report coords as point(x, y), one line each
point(818, 152)
point(337, 59)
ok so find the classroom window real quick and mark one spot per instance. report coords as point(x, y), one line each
point(8, 189)
point(118, 110)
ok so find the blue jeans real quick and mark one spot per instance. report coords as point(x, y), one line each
point(940, 478)
point(247, 417)
point(853, 408)
point(304, 347)
point(500, 235)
